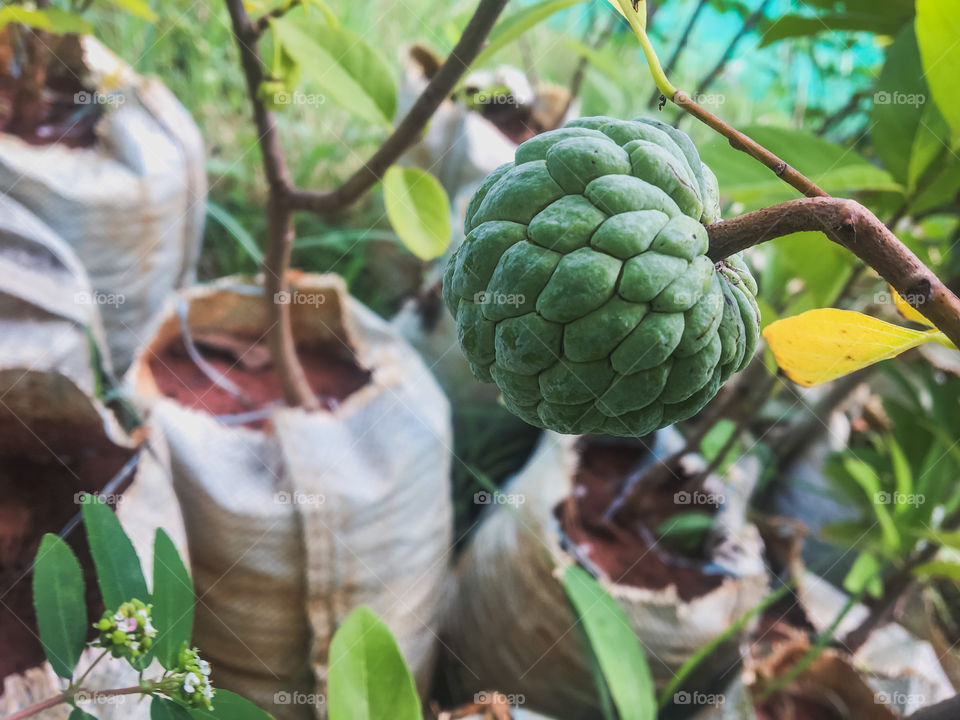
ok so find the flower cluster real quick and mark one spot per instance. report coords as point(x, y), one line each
point(127, 632)
point(192, 677)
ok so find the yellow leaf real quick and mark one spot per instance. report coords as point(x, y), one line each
point(907, 310)
point(821, 345)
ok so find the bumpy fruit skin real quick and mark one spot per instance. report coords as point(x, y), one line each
point(583, 289)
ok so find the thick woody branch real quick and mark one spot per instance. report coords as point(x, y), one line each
point(851, 225)
point(409, 129)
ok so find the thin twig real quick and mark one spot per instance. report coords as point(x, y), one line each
point(853, 226)
point(284, 199)
point(440, 86)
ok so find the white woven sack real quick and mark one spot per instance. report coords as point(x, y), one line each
point(511, 626)
point(34, 401)
point(131, 206)
point(291, 528)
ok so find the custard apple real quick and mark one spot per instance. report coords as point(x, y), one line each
point(583, 289)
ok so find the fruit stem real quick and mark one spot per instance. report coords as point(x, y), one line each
point(638, 24)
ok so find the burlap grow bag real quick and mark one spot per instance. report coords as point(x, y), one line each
point(511, 626)
point(131, 206)
point(57, 441)
point(293, 523)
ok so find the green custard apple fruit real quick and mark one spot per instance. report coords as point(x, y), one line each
point(583, 288)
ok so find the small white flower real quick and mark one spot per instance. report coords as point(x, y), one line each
point(118, 616)
point(148, 628)
point(189, 683)
point(134, 645)
point(204, 667)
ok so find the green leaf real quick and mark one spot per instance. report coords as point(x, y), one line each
point(351, 81)
point(172, 601)
point(938, 569)
point(236, 229)
point(515, 25)
point(864, 575)
point(230, 706)
point(118, 568)
point(895, 119)
point(716, 438)
point(685, 530)
point(78, 714)
point(615, 645)
point(903, 477)
point(58, 596)
point(368, 678)
point(838, 170)
point(931, 142)
point(418, 209)
point(163, 709)
point(139, 8)
point(938, 27)
point(867, 478)
point(54, 20)
point(794, 26)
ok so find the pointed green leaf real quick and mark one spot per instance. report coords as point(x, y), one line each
point(864, 575)
point(136, 7)
point(59, 599)
point(230, 706)
point(172, 601)
point(419, 210)
point(118, 568)
point(615, 645)
point(867, 479)
point(51, 19)
point(516, 24)
point(163, 709)
point(78, 714)
point(938, 27)
point(330, 73)
point(368, 678)
point(947, 570)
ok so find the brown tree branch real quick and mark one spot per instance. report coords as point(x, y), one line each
point(283, 198)
point(851, 225)
point(741, 142)
point(280, 235)
point(440, 86)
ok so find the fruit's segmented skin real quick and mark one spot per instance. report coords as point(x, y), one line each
point(583, 289)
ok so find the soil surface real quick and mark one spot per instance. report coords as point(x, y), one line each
point(791, 708)
point(39, 489)
point(65, 121)
point(623, 553)
point(332, 373)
